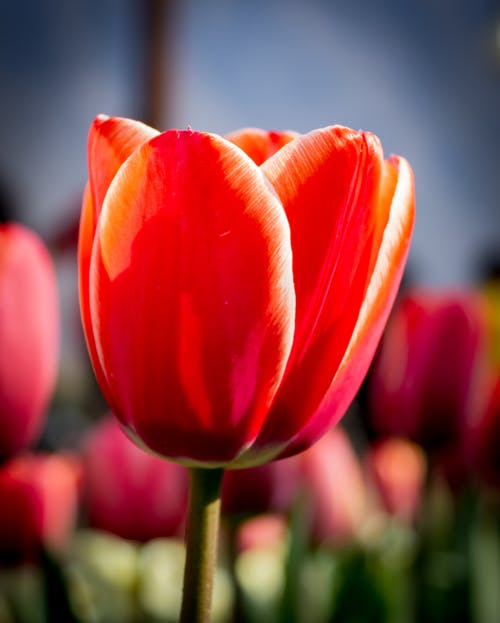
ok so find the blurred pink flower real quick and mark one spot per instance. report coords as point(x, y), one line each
point(334, 488)
point(39, 501)
point(262, 531)
point(129, 492)
point(29, 335)
point(397, 468)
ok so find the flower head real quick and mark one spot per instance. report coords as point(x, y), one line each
point(231, 309)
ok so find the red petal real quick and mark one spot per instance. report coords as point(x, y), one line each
point(192, 299)
point(378, 301)
point(260, 144)
point(329, 183)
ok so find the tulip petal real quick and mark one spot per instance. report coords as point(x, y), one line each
point(85, 241)
point(111, 141)
point(329, 182)
point(378, 301)
point(194, 243)
point(260, 144)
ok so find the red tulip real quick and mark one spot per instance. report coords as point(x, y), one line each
point(29, 335)
point(335, 489)
point(397, 468)
point(483, 440)
point(39, 500)
point(425, 382)
point(231, 310)
point(267, 488)
point(129, 492)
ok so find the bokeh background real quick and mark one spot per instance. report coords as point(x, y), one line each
point(424, 75)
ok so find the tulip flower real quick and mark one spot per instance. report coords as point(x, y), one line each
point(267, 488)
point(39, 501)
point(134, 481)
point(335, 490)
point(231, 310)
point(426, 378)
point(29, 335)
point(483, 439)
point(398, 467)
point(262, 531)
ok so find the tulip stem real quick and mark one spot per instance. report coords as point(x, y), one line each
point(201, 544)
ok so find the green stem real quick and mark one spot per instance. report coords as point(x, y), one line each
point(201, 544)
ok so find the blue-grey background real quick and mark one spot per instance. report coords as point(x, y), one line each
point(424, 75)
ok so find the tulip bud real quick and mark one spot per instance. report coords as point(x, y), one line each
point(334, 489)
point(127, 491)
point(39, 500)
point(397, 468)
point(29, 337)
point(267, 488)
point(484, 438)
point(426, 380)
point(232, 306)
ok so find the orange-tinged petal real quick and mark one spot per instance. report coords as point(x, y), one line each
point(379, 298)
point(85, 243)
point(260, 144)
point(191, 296)
point(111, 141)
point(329, 182)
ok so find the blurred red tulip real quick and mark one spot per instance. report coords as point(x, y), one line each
point(335, 488)
point(129, 492)
point(29, 335)
point(483, 440)
point(267, 488)
point(231, 310)
point(427, 376)
point(39, 501)
point(397, 468)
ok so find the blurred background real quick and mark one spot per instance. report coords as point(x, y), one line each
point(424, 76)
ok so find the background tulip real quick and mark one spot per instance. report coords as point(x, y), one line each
point(484, 438)
point(232, 310)
point(263, 489)
point(126, 490)
point(39, 501)
point(29, 335)
point(397, 467)
point(262, 531)
point(334, 489)
point(427, 377)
